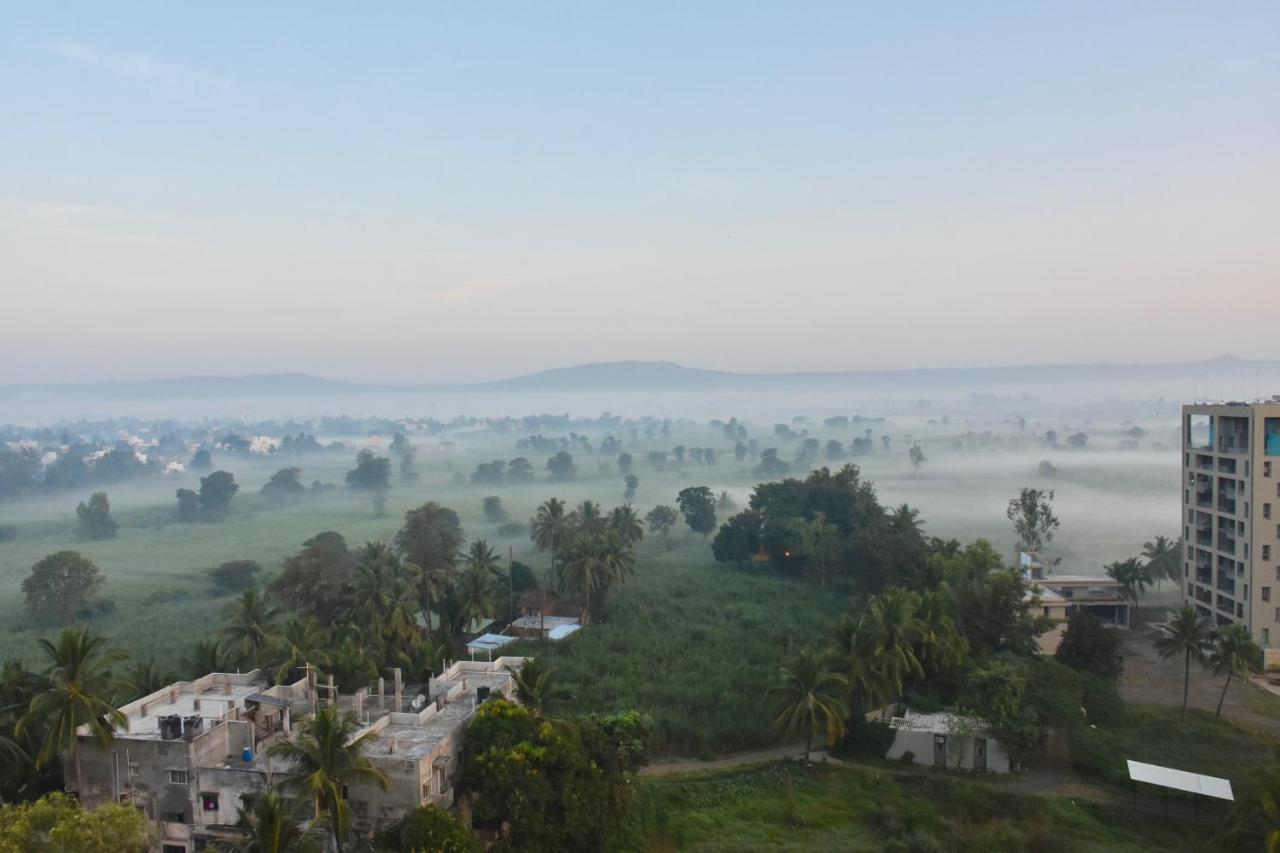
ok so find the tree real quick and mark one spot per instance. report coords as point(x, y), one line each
point(1132, 575)
point(60, 586)
point(316, 580)
point(916, 454)
point(738, 539)
point(428, 828)
point(698, 506)
point(897, 630)
point(1271, 810)
point(57, 822)
point(594, 565)
point(324, 759)
point(535, 684)
point(284, 486)
point(661, 519)
point(216, 492)
point(808, 699)
point(625, 463)
point(519, 470)
point(209, 655)
point(274, 824)
point(201, 461)
point(79, 690)
point(188, 505)
point(431, 537)
point(301, 641)
point(144, 677)
point(372, 474)
point(632, 483)
point(550, 530)
point(1234, 653)
point(1033, 520)
point(560, 468)
point(854, 655)
point(1089, 646)
point(1000, 686)
point(235, 576)
point(625, 521)
point(251, 625)
point(1164, 558)
point(1188, 634)
point(95, 518)
point(494, 511)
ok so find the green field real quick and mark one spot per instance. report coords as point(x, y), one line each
point(790, 807)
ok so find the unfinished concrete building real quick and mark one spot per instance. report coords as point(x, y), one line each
point(195, 752)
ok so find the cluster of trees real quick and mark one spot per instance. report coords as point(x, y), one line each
point(212, 502)
point(1228, 650)
point(592, 552)
point(551, 785)
point(1161, 560)
point(76, 465)
point(497, 472)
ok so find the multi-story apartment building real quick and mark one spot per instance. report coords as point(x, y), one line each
point(1231, 516)
point(190, 755)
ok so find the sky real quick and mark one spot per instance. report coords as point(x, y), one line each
point(466, 191)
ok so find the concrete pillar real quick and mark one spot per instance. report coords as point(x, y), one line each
point(382, 693)
point(399, 688)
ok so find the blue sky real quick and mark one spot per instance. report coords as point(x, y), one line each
point(464, 191)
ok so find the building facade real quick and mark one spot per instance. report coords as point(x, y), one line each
point(1231, 516)
point(193, 753)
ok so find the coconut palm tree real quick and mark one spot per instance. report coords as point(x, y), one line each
point(940, 644)
point(535, 684)
point(480, 556)
point(324, 757)
point(1271, 810)
point(1133, 575)
point(1233, 653)
point(210, 655)
point(853, 655)
point(79, 687)
point(589, 519)
point(251, 626)
point(1188, 634)
point(905, 519)
point(625, 521)
point(898, 632)
point(430, 583)
point(594, 566)
point(1163, 556)
point(145, 677)
point(550, 530)
point(421, 658)
point(475, 594)
point(301, 642)
point(808, 699)
point(275, 825)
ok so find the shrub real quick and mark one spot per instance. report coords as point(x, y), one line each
point(871, 739)
point(234, 577)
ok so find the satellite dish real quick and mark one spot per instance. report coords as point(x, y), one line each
point(418, 703)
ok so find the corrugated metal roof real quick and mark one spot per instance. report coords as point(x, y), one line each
point(1181, 780)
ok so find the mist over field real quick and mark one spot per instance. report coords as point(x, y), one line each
point(981, 444)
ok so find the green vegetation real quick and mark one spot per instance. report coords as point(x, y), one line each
point(793, 807)
point(55, 823)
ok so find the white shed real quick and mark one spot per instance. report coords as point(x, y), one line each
point(944, 739)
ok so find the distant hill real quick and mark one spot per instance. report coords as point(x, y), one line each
point(650, 375)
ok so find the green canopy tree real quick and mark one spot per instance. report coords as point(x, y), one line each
point(1233, 653)
point(60, 586)
point(95, 521)
point(1133, 576)
point(276, 824)
point(57, 822)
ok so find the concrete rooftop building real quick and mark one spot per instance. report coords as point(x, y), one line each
point(193, 753)
point(1231, 516)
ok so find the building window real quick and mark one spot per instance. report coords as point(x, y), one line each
point(1266, 510)
point(1266, 552)
point(173, 848)
point(1266, 593)
point(178, 777)
point(209, 802)
point(174, 817)
point(1266, 469)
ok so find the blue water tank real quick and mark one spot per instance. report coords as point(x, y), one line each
point(247, 755)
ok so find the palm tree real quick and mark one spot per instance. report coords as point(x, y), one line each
point(325, 757)
point(1133, 575)
point(905, 519)
point(550, 530)
point(1187, 633)
point(808, 699)
point(898, 632)
point(301, 642)
point(589, 519)
point(251, 625)
point(431, 584)
point(145, 677)
point(1163, 556)
point(625, 521)
point(210, 655)
point(475, 594)
point(854, 656)
point(940, 644)
point(79, 686)
point(1233, 652)
point(534, 683)
point(275, 825)
point(421, 658)
point(597, 563)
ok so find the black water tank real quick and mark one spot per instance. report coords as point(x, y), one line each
point(482, 693)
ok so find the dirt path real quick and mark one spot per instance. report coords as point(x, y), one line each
point(1148, 680)
point(737, 759)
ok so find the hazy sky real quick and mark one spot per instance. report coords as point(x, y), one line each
point(473, 190)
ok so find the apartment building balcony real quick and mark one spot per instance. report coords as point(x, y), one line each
point(1203, 595)
point(1204, 574)
point(1226, 584)
point(1226, 605)
point(1226, 466)
point(1227, 445)
point(1204, 538)
point(1227, 505)
point(1204, 463)
point(1226, 543)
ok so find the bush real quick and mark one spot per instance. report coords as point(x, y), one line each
point(234, 577)
point(870, 739)
point(427, 828)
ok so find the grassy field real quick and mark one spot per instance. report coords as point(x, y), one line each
point(790, 807)
point(694, 644)
point(1109, 502)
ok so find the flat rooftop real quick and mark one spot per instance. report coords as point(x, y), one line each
point(534, 623)
point(186, 699)
point(414, 742)
point(937, 722)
